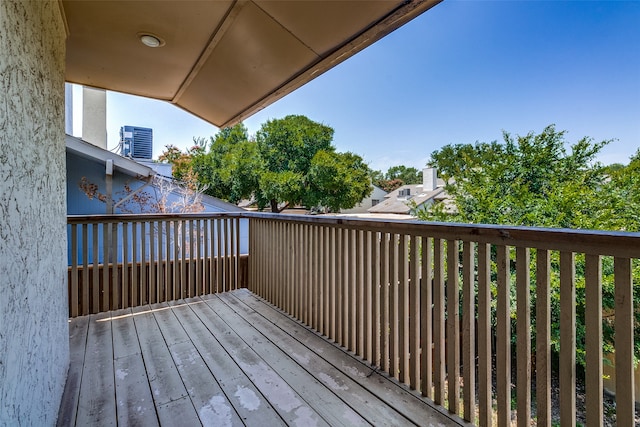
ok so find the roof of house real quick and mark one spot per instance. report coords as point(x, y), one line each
point(92, 152)
point(394, 203)
point(221, 60)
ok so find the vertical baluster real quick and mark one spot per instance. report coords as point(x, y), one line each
point(438, 321)
point(426, 319)
point(393, 306)
point(125, 265)
point(453, 326)
point(543, 338)
point(331, 299)
point(503, 335)
point(168, 283)
point(384, 301)
point(593, 340)
point(135, 285)
point(199, 263)
point(484, 335)
point(207, 258)
point(74, 271)
point(143, 263)
point(160, 268)
point(567, 367)
point(85, 269)
point(361, 303)
point(523, 333)
point(403, 310)
point(375, 299)
point(192, 259)
point(115, 285)
point(352, 292)
point(95, 304)
point(367, 290)
point(625, 391)
point(468, 332)
point(175, 262)
point(238, 236)
point(339, 299)
point(106, 229)
point(153, 280)
point(312, 262)
point(414, 314)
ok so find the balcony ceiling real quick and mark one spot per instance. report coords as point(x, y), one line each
point(221, 60)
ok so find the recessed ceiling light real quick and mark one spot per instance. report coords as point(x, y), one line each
point(151, 40)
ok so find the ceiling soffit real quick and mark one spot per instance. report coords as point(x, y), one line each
point(221, 60)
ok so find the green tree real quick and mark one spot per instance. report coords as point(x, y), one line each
point(287, 163)
point(541, 180)
point(287, 147)
point(337, 180)
point(408, 175)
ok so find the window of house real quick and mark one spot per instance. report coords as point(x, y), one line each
point(374, 202)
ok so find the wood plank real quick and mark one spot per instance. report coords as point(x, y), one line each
point(179, 412)
point(85, 269)
point(417, 410)
point(402, 305)
point(414, 314)
point(353, 394)
point(426, 319)
point(284, 399)
point(593, 340)
point(393, 306)
point(503, 337)
point(438, 322)
point(73, 295)
point(625, 391)
point(567, 366)
point(251, 405)
point(453, 327)
point(468, 332)
point(125, 337)
point(164, 379)
point(97, 405)
point(484, 335)
point(78, 329)
point(384, 302)
point(95, 294)
point(321, 399)
point(133, 395)
point(523, 334)
point(211, 403)
point(543, 338)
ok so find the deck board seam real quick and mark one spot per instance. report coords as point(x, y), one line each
point(309, 404)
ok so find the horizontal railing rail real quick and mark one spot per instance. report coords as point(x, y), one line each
point(446, 308)
point(121, 261)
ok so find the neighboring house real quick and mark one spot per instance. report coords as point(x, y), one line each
point(87, 163)
point(376, 197)
point(409, 199)
point(85, 160)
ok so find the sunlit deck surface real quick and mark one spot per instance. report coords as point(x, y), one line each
point(224, 359)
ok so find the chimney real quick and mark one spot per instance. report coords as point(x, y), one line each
point(429, 179)
point(94, 116)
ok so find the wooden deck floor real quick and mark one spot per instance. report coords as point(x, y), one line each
point(225, 359)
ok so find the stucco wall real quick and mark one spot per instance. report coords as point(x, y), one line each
point(34, 350)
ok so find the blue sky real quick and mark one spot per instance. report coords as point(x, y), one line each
point(462, 72)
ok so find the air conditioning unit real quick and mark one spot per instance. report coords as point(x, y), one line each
point(136, 142)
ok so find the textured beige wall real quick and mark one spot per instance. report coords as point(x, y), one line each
point(34, 349)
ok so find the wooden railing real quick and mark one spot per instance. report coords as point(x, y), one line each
point(443, 308)
point(121, 261)
point(433, 306)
